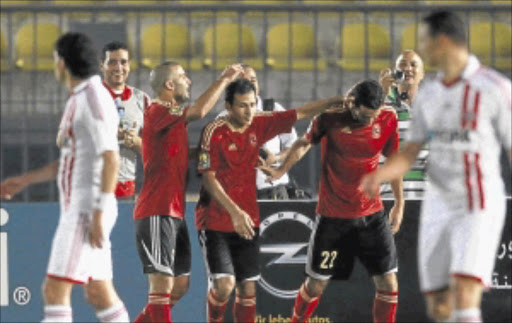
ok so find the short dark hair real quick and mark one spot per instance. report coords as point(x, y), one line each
point(239, 86)
point(79, 54)
point(368, 93)
point(447, 23)
point(113, 46)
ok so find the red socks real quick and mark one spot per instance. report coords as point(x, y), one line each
point(304, 306)
point(384, 307)
point(244, 309)
point(216, 308)
point(157, 310)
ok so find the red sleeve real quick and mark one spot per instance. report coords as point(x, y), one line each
point(210, 151)
point(273, 123)
point(161, 118)
point(315, 131)
point(393, 142)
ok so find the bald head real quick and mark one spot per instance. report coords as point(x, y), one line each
point(170, 76)
point(161, 74)
point(412, 65)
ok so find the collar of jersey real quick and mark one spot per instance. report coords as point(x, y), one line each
point(125, 95)
point(82, 85)
point(471, 67)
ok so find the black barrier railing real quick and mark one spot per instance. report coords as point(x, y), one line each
point(32, 102)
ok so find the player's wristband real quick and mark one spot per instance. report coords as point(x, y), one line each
point(101, 201)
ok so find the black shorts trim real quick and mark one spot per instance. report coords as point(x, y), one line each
point(227, 254)
point(163, 245)
point(336, 243)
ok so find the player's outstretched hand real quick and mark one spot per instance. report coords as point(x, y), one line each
point(395, 217)
point(243, 224)
point(12, 186)
point(96, 230)
point(370, 184)
point(273, 174)
point(232, 72)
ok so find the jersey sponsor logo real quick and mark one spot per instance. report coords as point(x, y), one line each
point(284, 241)
point(204, 160)
point(376, 131)
point(252, 139)
point(450, 136)
point(232, 147)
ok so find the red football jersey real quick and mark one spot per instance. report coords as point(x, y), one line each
point(233, 156)
point(348, 152)
point(165, 158)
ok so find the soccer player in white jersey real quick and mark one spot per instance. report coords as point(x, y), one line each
point(86, 176)
point(131, 104)
point(464, 114)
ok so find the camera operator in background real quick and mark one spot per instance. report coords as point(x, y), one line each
point(401, 83)
point(400, 86)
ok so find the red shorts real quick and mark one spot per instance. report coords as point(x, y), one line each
point(125, 189)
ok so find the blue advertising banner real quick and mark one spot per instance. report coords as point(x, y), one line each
point(27, 230)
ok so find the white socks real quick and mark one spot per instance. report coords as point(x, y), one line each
point(57, 313)
point(467, 315)
point(116, 313)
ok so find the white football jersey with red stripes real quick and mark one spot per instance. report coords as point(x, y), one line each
point(87, 129)
point(466, 124)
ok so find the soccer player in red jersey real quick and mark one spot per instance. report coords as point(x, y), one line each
point(161, 233)
point(227, 214)
point(350, 225)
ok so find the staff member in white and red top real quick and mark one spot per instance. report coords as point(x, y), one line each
point(86, 175)
point(227, 214)
point(350, 225)
point(131, 103)
point(161, 232)
point(464, 115)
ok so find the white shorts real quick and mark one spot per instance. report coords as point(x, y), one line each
point(455, 242)
point(72, 258)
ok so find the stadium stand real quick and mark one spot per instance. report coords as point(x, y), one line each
point(483, 37)
point(227, 43)
point(356, 39)
point(4, 53)
point(156, 47)
point(34, 46)
point(296, 52)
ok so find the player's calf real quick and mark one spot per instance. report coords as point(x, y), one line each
point(307, 299)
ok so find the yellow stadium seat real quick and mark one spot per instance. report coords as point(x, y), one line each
point(353, 47)
point(302, 51)
point(40, 57)
point(502, 1)
point(409, 36)
point(79, 3)
point(228, 46)
point(4, 53)
point(175, 37)
point(480, 41)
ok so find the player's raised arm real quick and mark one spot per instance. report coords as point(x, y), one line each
point(299, 148)
point(311, 109)
point(209, 98)
point(14, 185)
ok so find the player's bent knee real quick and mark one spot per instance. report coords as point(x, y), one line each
point(387, 282)
point(180, 287)
point(439, 311)
point(315, 287)
point(246, 288)
point(100, 294)
point(56, 291)
point(223, 286)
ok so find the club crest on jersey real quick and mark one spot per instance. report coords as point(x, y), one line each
point(176, 110)
point(232, 147)
point(204, 160)
point(252, 139)
point(376, 131)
